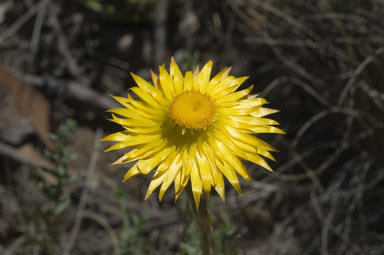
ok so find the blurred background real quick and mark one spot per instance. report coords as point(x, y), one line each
point(320, 62)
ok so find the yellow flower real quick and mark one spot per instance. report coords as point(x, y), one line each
point(192, 128)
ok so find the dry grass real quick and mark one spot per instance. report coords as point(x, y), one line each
point(320, 62)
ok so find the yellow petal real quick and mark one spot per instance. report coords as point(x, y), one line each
point(171, 174)
point(232, 86)
point(188, 81)
point(145, 96)
point(228, 172)
point(205, 172)
point(258, 160)
point(266, 129)
point(134, 171)
point(236, 111)
point(219, 186)
point(147, 165)
point(134, 140)
point(157, 179)
point(252, 140)
point(134, 122)
point(177, 184)
point(250, 103)
point(122, 100)
point(233, 97)
point(223, 139)
point(155, 79)
point(210, 154)
point(115, 137)
point(238, 82)
point(133, 113)
point(196, 72)
point(197, 185)
point(219, 89)
point(137, 105)
point(245, 146)
point(252, 121)
point(237, 165)
point(176, 76)
point(265, 153)
point(143, 130)
point(124, 112)
point(142, 84)
point(263, 112)
point(166, 84)
point(188, 162)
point(144, 151)
point(220, 76)
point(202, 80)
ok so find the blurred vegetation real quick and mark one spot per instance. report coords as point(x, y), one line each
point(319, 62)
point(132, 236)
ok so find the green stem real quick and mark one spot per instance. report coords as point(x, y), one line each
point(204, 223)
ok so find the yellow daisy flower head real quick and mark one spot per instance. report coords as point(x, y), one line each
point(191, 128)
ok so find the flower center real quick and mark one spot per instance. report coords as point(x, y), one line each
point(192, 109)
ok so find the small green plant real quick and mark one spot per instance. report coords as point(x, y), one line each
point(46, 206)
point(132, 237)
point(224, 230)
point(59, 199)
point(61, 156)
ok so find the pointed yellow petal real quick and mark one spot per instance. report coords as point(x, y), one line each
point(218, 90)
point(171, 174)
point(233, 97)
point(155, 79)
point(197, 185)
point(252, 121)
point(145, 96)
point(143, 84)
point(131, 173)
point(258, 160)
point(266, 129)
point(147, 165)
point(134, 140)
point(188, 81)
point(210, 154)
point(166, 84)
point(124, 112)
point(238, 166)
point(265, 153)
point(202, 80)
point(176, 76)
point(196, 72)
point(231, 87)
point(230, 174)
point(250, 103)
point(205, 172)
point(157, 179)
point(261, 112)
point(122, 100)
point(250, 139)
point(115, 137)
point(143, 130)
point(223, 139)
point(134, 122)
point(236, 111)
point(145, 150)
point(245, 146)
point(220, 76)
point(220, 187)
